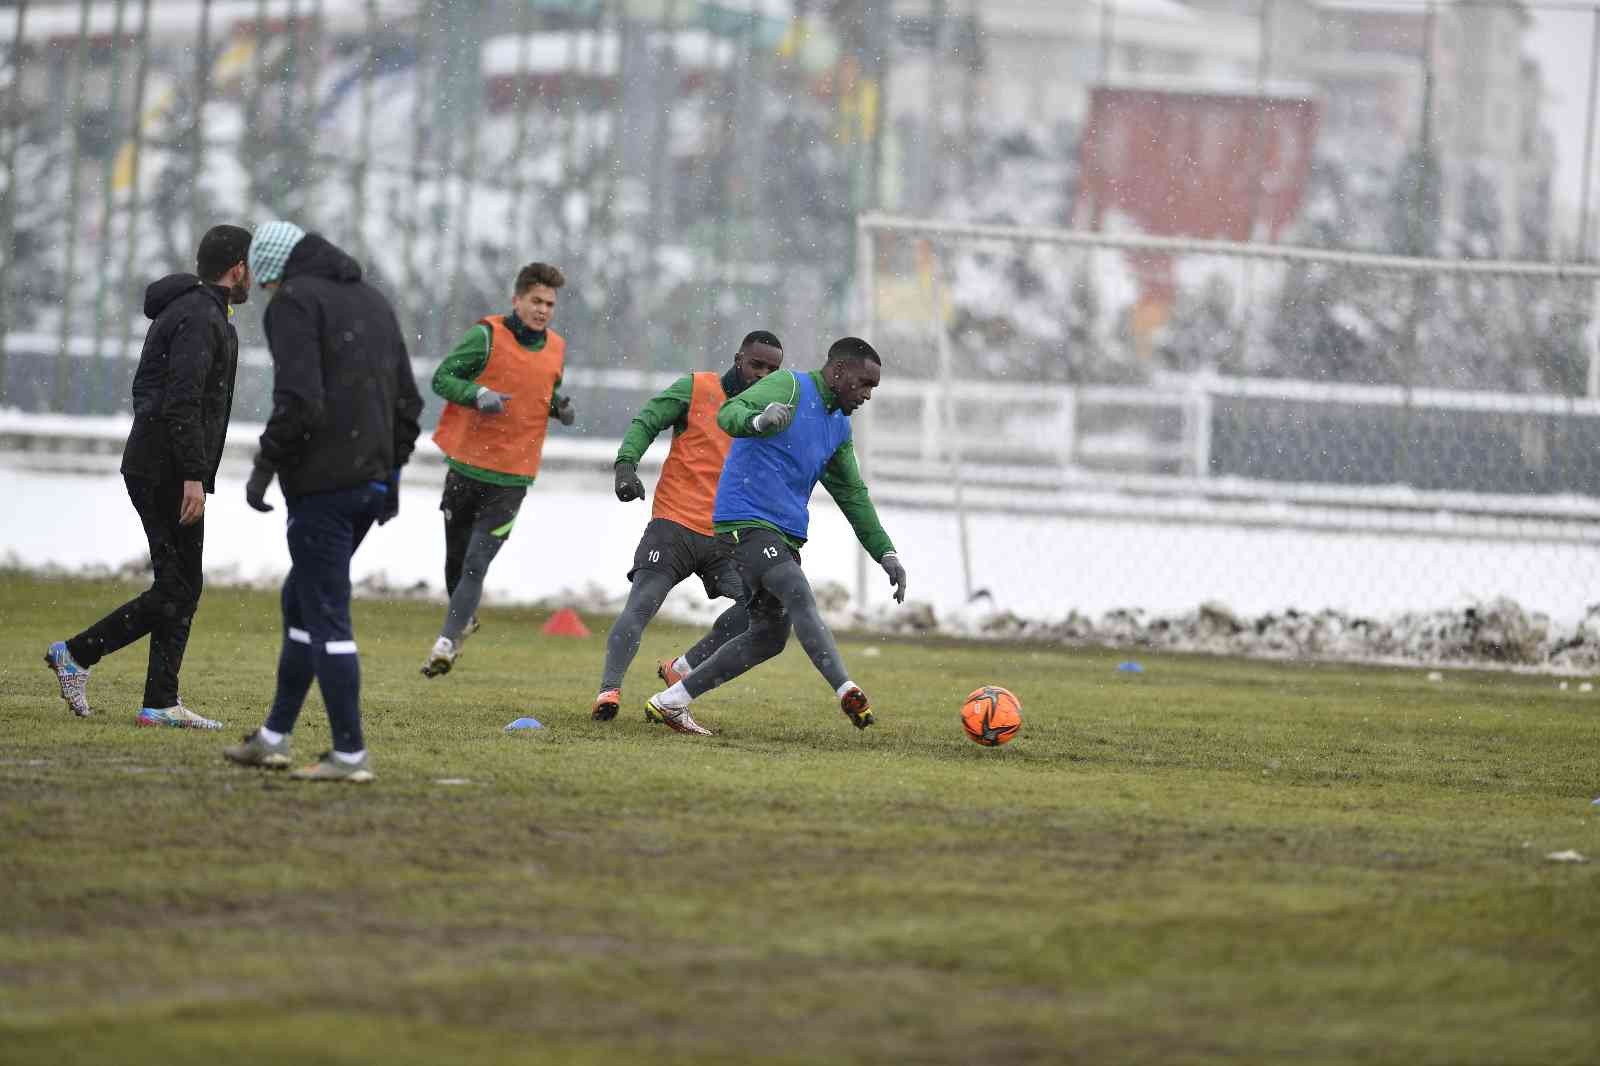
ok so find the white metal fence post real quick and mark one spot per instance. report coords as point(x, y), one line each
point(866, 316)
point(1591, 341)
point(1200, 425)
point(949, 424)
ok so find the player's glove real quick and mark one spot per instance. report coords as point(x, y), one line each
point(255, 490)
point(628, 485)
point(491, 402)
point(566, 412)
point(773, 417)
point(897, 575)
point(391, 501)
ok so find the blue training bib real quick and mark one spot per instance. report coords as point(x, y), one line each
point(770, 479)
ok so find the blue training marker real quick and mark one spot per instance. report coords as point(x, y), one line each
point(1130, 667)
point(524, 723)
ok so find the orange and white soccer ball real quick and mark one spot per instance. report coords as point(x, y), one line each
point(992, 716)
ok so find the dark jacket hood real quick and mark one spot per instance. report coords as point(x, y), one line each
point(159, 296)
point(318, 257)
point(182, 390)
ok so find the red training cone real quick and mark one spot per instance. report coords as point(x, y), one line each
point(565, 623)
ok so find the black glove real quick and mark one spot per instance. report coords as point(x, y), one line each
point(566, 412)
point(897, 575)
point(391, 500)
point(629, 487)
point(491, 402)
point(255, 490)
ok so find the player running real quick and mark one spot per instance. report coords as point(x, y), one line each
point(791, 430)
point(679, 541)
point(501, 383)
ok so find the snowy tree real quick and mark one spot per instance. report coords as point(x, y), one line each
point(33, 271)
point(1204, 332)
point(1504, 334)
point(1335, 322)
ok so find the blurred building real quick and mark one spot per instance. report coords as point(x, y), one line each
point(1368, 59)
point(961, 66)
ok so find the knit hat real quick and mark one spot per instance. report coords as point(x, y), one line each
point(270, 249)
point(221, 249)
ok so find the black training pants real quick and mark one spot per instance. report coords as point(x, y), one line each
point(166, 608)
point(472, 506)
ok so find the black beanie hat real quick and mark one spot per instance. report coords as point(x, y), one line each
point(221, 249)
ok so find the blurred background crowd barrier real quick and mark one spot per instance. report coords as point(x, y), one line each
point(1246, 264)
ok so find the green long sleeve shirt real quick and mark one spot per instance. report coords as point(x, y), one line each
point(456, 381)
point(841, 477)
point(669, 408)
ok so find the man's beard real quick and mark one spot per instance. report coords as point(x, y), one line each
point(239, 292)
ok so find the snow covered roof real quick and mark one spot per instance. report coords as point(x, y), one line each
point(1158, 24)
point(1384, 7)
point(553, 53)
point(1212, 86)
point(181, 18)
point(1362, 66)
point(664, 10)
point(550, 53)
point(1033, 15)
point(1408, 7)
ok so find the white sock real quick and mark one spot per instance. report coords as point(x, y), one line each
point(269, 736)
point(846, 687)
point(350, 758)
point(681, 664)
point(676, 697)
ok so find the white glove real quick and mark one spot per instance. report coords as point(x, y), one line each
point(774, 417)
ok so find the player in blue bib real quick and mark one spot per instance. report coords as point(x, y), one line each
point(790, 431)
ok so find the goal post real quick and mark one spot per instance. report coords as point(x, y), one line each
point(1069, 416)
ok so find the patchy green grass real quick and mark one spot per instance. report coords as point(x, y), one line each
point(1215, 861)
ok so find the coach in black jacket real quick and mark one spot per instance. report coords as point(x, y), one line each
point(182, 397)
point(344, 420)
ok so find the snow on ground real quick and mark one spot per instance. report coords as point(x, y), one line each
point(573, 539)
point(1045, 576)
point(1043, 568)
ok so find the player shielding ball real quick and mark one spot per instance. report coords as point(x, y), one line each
point(501, 385)
point(679, 541)
point(791, 430)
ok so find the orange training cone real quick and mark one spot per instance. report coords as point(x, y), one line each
point(565, 623)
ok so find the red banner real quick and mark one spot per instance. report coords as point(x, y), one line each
point(1195, 164)
point(1221, 166)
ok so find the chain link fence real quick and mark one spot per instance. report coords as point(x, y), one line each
point(442, 144)
point(1458, 465)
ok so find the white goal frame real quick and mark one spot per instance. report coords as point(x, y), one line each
point(1390, 509)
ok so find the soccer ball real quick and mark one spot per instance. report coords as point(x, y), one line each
point(991, 716)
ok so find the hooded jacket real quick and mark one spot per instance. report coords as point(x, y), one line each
point(344, 402)
point(183, 388)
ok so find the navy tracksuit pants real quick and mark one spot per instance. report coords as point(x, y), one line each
point(325, 529)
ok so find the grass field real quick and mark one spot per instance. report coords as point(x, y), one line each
point(1215, 861)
